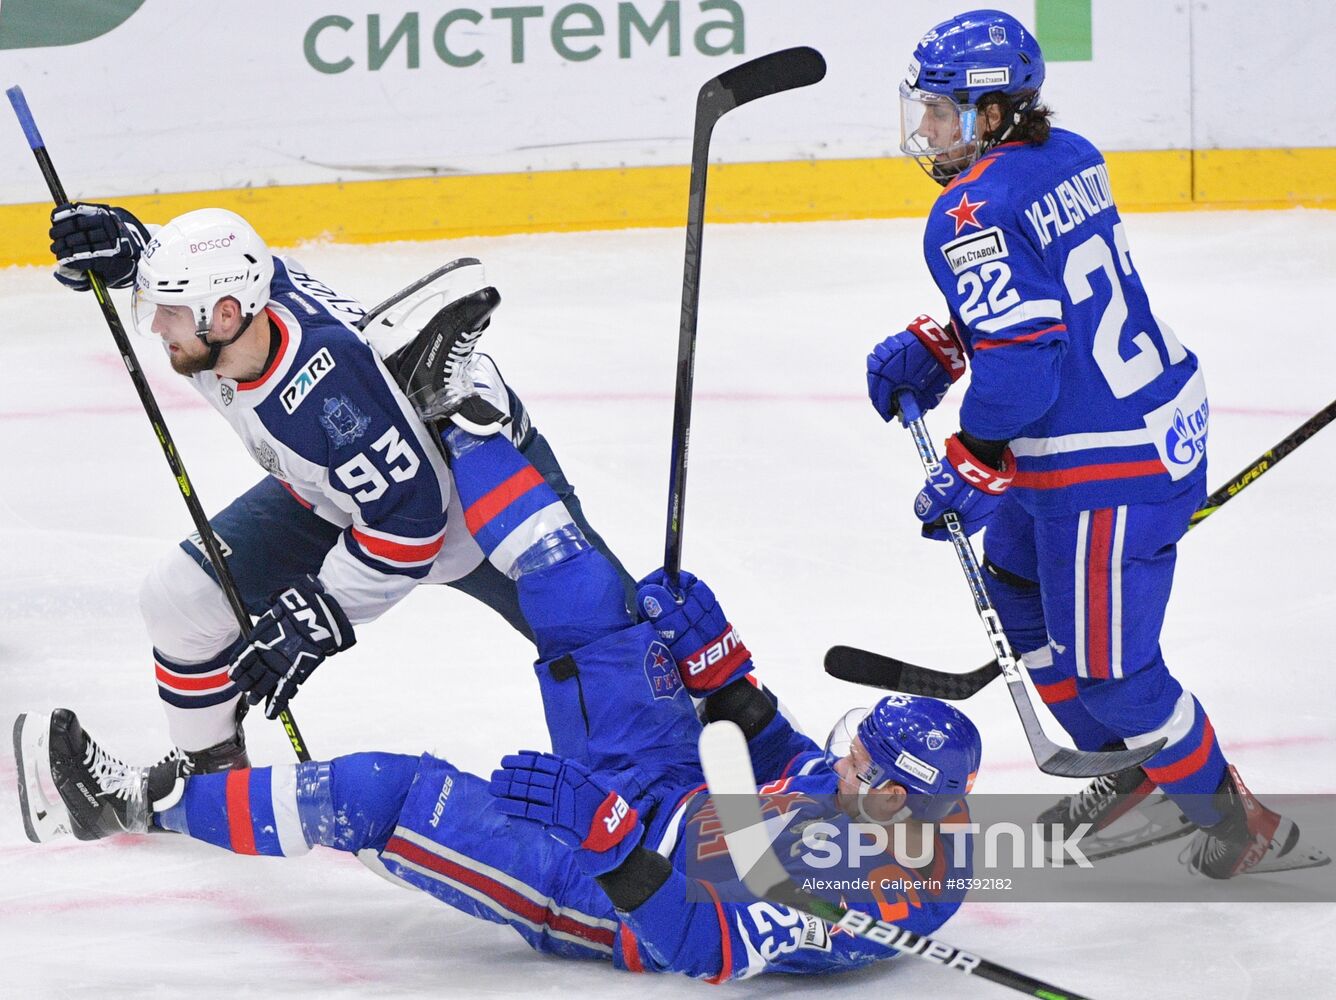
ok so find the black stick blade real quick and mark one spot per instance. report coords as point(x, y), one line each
point(1068, 763)
point(860, 666)
point(769, 74)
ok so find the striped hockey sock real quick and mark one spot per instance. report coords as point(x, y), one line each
point(1191, 765)
point(349, 803)
point(516, 518)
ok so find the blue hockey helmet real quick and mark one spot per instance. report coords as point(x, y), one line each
point(954, 66)
point(926, 745)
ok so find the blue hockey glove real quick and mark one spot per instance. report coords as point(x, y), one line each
point(599, 826)
point(708, 650)
point(290, 640)
point(97, 238)
point(965, 484)
point(925, 359)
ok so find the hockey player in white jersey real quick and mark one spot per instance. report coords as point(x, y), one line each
point(357, 507)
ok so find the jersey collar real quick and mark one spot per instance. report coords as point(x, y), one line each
point(289, 334)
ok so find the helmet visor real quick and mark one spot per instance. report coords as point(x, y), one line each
point(160, 320)
point(936, 130)
point(840, 742)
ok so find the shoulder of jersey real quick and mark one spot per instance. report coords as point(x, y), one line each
point(996, 188)
point(333, 390)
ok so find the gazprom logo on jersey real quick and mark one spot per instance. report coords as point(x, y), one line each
point(970, 251)
point(1186, 439)
point(301, 384)
point(1179, 428)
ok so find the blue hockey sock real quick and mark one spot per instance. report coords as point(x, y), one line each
point(572, 603)
point(1191, 765)
point(517, 519)
point(348, 803)
point(1059, 692)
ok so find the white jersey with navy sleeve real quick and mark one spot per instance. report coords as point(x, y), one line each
point(328, 421)
point(1100, 402)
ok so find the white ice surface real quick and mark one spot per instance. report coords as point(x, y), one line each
point(798, 514)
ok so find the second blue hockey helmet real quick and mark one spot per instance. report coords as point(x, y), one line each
point(929, 747)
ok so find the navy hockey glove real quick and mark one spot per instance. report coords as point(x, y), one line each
point(925, 359)
point(97, 238)
point(965, 484)
point(290, 640)
point(708, 650)
point(599, 826)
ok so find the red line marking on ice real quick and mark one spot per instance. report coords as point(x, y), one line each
point(1230, 747)
point(240, 908)
point(985, 914)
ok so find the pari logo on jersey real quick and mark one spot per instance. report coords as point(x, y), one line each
point(661, 671)
point(301, 384)
point(966, 212)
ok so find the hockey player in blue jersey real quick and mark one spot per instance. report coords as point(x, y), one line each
point(1082, 441)
point(608, 847)
point(357, 507)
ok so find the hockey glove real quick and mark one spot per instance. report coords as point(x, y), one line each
point(708, 650)
point(925, 359)
point(97, 238)
point(965, 484)
point(290, 640)
point(599, 826)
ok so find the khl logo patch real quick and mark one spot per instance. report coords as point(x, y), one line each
point(661, 671)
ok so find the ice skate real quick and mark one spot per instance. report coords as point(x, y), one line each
point(69, 784)
point(1122, 813)
point(433, 370)
point(1251, 839)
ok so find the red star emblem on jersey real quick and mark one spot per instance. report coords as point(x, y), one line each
point(964, 212)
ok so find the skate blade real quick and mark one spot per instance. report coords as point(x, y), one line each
point(44, 814)
point(1154, 822)
point(1299, 855)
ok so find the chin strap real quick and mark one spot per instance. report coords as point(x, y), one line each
point(216, 346)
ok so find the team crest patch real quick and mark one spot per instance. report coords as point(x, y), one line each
point(966, 213)
point(997, 34)
point(301, 384)
point(268, 458)
point(343, 422)
point(661, 671)
point(225, 391)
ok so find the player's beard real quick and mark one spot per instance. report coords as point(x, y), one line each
point(198, 360)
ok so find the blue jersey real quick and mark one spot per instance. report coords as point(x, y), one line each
point(1100, 402)
point(739, 935)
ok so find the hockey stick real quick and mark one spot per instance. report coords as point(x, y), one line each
point(1050, 757)
point(728, 772)
point(768, 74)
point(860, 666)
point(207, 537)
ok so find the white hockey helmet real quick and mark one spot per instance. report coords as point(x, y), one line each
point(198, 259)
